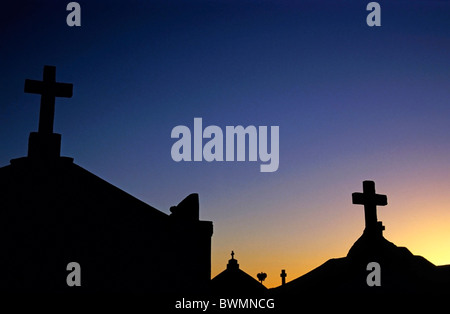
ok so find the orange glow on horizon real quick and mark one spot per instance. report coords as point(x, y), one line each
point(417, 219)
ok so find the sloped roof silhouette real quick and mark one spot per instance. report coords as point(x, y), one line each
point(53, 212)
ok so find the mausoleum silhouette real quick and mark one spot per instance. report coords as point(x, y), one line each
point(53, 212)
point(401, 271)
point(234, 281)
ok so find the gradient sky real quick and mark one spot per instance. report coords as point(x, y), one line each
point(352, 103)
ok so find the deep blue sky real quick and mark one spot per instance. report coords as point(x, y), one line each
point(352, 103)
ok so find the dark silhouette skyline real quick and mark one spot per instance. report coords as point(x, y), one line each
point(55, 213)
point(352, 103)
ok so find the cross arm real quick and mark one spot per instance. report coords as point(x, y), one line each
point(58, 89)
point(64, 90)
point(358, 198)
point(381, 200)
point(33, 86)
point(363, 199)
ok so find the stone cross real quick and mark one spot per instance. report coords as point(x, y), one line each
point(49, 89)
point(370, 200)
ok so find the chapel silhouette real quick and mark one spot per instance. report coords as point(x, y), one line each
point(54, 212)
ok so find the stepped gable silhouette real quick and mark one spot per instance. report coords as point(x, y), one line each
point(235, 282)
point(53, 212)
point(401, 271)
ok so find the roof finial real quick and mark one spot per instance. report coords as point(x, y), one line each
point(49, 89)
point(45, 144)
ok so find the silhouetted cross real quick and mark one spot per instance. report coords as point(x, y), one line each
point(232, 254)
point(370, 200)
point(283, 276)
point(48, 89)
